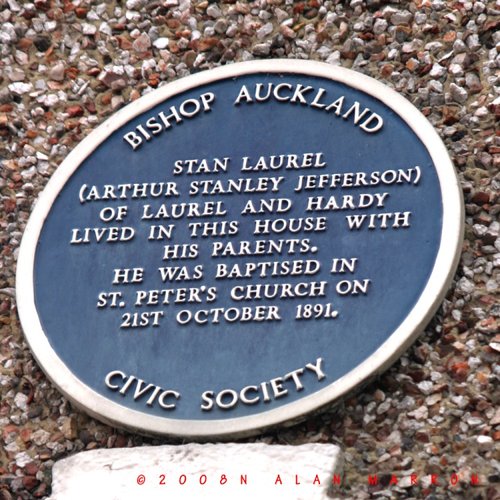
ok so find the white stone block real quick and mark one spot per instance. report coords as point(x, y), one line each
point(205, 471)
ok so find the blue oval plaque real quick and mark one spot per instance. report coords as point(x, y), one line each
point(239, 248)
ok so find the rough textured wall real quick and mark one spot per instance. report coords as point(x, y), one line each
point(66, 66)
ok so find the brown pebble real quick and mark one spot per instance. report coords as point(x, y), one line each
point(90, 106)
point(124, 42)
point(450, 36)
point(5, 495)
point(25, 435)
point(207, 43)
point(480, 197)
point(31, 469)
point(449, 115)
point(350, 439)
point(41, 491)
point(173, 24)
point(24, 43)
point(422, 437)
point(30, 482)
point(70, 124)
point(387, 70)
point(73, 111)
point(460, 370)
point(72, 72)
point(81, 12)
point(134, 95)
point(106, 98)
point(412, 64)
point(154, 80)
point(190, 57)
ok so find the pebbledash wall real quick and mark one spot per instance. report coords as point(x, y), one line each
point(66, 66)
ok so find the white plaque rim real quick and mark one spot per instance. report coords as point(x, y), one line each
point(415, 321)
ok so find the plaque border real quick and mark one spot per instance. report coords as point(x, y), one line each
point(415, 321)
